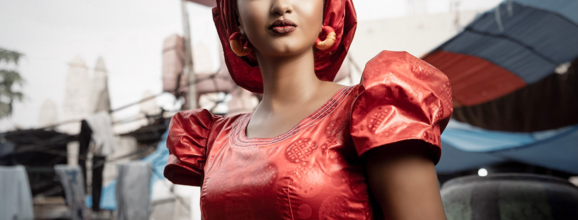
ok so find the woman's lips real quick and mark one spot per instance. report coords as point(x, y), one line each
point(283, 26)
point(283, 29)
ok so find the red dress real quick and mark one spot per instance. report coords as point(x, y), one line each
point(314, 170)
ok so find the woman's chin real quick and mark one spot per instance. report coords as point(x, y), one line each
point(287, 50)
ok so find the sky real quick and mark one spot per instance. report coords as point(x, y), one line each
point(128, 34)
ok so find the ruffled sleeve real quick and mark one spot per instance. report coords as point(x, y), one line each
point(187, 143)
point(401, 97)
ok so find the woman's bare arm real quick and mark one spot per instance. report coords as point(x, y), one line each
point(403, 180)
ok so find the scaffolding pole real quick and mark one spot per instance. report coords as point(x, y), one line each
point(191, 100)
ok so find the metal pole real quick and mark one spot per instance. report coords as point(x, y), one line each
point(192, 92)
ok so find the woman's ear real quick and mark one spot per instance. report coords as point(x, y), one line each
point(239, 23)
point(241, 30)
point(240, 26)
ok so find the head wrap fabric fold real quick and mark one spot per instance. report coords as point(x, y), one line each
point(339, 14)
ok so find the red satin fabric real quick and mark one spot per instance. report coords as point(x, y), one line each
point(339, 14)
point(313, 171)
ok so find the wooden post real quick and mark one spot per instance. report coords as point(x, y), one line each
point(191, 102)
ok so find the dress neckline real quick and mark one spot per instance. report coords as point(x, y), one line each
point(239, 135)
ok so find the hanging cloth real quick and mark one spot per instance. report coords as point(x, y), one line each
point(133, 190)
point(102, 135)
point(72, 183)
point(15, 194)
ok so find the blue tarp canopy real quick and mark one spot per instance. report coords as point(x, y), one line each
point(467, 147)
point(513, 72)
point(514, 67)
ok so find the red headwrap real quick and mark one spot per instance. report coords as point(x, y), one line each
point(339, 14)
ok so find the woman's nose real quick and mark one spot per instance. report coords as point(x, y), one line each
point(281, 7)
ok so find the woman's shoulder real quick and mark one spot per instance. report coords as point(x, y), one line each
point(202, 118)
point(399, 74)
point(199, 123)
point(400, 97)
point(189, 139)
point(401, 64)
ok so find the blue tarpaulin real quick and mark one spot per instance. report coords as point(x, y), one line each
point(467, 147)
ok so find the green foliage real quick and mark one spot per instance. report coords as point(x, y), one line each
point(9, 56)
point(7, 79)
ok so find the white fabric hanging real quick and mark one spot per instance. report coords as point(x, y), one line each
point(101, 125)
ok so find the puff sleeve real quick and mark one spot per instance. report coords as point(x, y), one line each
point(401, 97)
point(187, 143)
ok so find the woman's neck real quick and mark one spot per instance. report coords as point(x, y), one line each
point(287, 80)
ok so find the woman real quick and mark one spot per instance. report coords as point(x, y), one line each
point(313, 149)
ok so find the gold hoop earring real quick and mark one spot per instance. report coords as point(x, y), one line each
point(235, 43)
point(330, 38)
